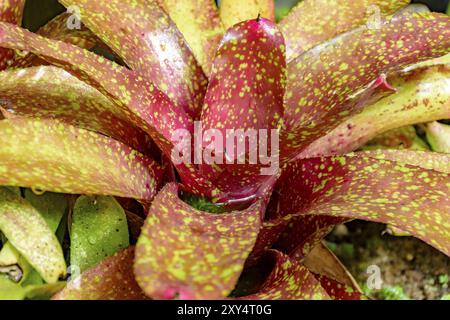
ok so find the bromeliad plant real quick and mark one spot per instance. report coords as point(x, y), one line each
point(77, 123)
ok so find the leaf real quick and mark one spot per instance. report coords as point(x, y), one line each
point(200, 24)
point(111, 279)
point(10, 11)
point(190, 254)
point(50, 92)
point(312, 22)
point(361, 186)
point(438, 136)
point(332, 82)
point(235, 11)
point(51, 206)
point(245, 93)
point(289, 280)
point(148, 41)
point(423, 95)
point(99, 229)
point(29, 233)
point(400, 138)
point(52, 156)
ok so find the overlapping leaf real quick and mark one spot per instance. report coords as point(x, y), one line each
point(143, 35)
point(190, 254)
point(72, 160)
point(361, 186)
point(423, 95)
point(312, 22)
point(200, 24)
point(438, 135)
point(28, 231)
point(245, 94)
point(235, 11)
point(331, 82)
point(289, 280)
point(50, 92)
point(10, 11)
point(112, 279)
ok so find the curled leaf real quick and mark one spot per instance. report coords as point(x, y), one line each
point(190, 254)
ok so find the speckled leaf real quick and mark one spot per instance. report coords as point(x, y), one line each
point(200, 24)
point(246, 89)
point(51, 206)
point(28, 231)
point(99, 229)
point(53, 156)
point(57, 29)
point(423, 95)
point(144, 36)
point(10, 11)
point(289, 280)
point(360, 186)
point(50, 92)
point(339, 291)
point(312, 22)
point(190, 254)
point(234, 11)
point(111, 279)
point(333, 81)
point(153, 110)
point(438, 136)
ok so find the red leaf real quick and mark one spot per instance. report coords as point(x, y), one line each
point(186, 253)
point(10, 11)
point(111, 279)
point(143, 35)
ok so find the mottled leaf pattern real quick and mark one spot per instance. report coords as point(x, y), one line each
point(423, 95)
point(144, 36)
point(235, 11)
point(312, 22)
point(30, 234)
point(50, 92)
point(289, 280)
point(10, 11)
point(358, 186)
point(328, 84)
point(200, 24)
point(72, 160)
point(98, 230)
point(111, 279)
point(190, 254)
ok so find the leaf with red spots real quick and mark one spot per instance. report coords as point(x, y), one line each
point(143, 35)
point(235, 11)
point(200, 24)
point(53, 156)
point(50, 92)
point(312, 22)
point(423, 95)
point(190, 254)
point(333, 81)
point(111, 279)
point(289, 280)
point(10, 11)
point(364, 186)
point(245, 93)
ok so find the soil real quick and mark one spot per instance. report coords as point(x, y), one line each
point(409, 267)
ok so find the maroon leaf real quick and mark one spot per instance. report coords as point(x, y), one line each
point(111, 279)
point(148, 41)
point(10, 11)
point(333, 81)
point(186, 253)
